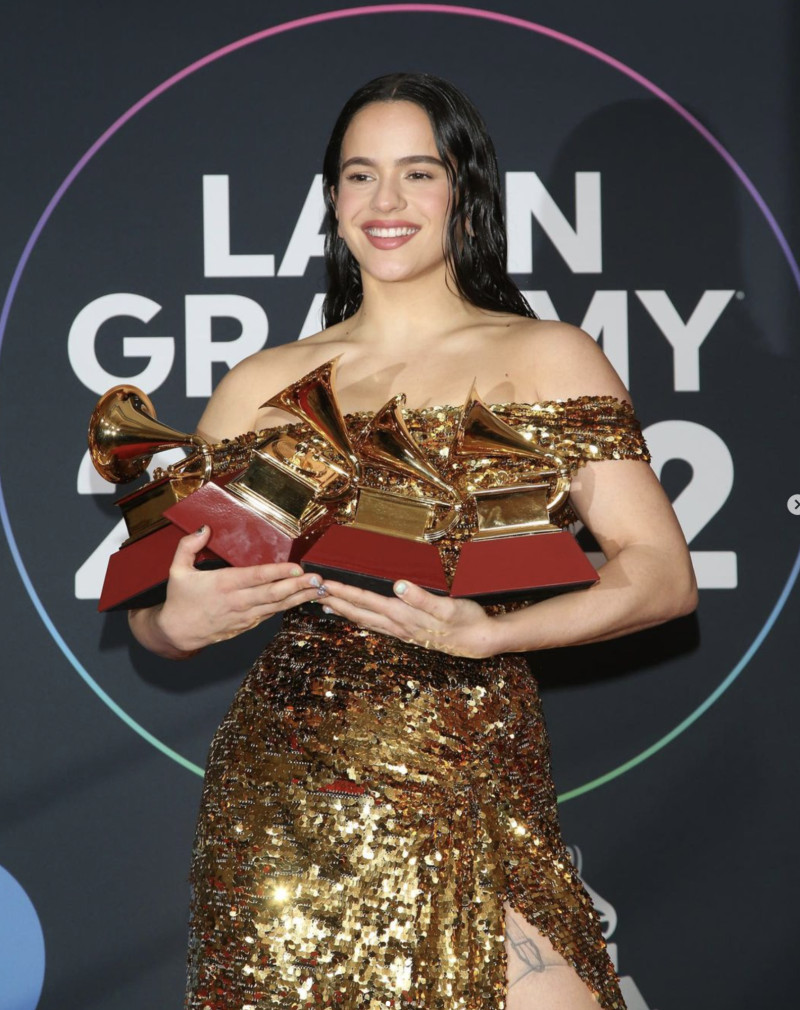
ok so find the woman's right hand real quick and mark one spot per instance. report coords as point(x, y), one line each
point(203, 607)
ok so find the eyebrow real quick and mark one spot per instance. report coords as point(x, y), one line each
point(409, 159)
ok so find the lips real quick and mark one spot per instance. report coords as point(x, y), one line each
point(389, 234)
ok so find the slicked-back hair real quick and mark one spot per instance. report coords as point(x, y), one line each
point(475, 239)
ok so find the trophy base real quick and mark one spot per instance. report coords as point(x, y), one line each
point(532, 566)
point(375, 561)
point(137, 575)
point(239, 534)
point(529, 567)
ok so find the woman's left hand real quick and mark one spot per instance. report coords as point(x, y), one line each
point(458, 627)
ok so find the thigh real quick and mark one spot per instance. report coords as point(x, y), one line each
point(538, 976)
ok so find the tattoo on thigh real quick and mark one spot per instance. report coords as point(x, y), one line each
point(528, 958)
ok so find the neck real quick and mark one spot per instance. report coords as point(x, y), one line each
point(409, 311)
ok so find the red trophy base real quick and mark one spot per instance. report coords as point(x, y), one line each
point(531, 566)
point(375, 560)
point(239, 534)
point(136, 575)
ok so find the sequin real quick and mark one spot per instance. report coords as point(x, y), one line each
point(369, 805)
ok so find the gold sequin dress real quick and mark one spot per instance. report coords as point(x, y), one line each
point(370, 805)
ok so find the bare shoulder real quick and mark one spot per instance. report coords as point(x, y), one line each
point(562, 361)
point(236, 403)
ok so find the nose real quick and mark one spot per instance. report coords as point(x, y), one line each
point(387, 195)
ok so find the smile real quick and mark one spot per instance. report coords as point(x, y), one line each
point(390, 232)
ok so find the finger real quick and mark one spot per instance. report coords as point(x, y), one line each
point(189, 547)
point(395, 622)
point(276, 593)
point(364, 599)
point(303, 596)
point(439, 607)
point(369, 619)
point(391, 615)
point(259, 575)
point(255, 576)
point(265, 610)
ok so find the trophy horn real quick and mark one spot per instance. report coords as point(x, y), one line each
point(482, 433)
point(386, 442)
point(313, 399)
point(124, 434)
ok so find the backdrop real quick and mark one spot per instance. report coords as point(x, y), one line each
point(160, 215)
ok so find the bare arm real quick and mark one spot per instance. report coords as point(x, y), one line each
point(648, 576)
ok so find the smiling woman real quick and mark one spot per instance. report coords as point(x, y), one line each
point(393, 200)
point(452, 133)
point(378, 824)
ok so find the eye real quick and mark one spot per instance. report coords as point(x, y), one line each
point(419, 173)
point(358, 177)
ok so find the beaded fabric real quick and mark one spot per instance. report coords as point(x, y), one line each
point(370, 805)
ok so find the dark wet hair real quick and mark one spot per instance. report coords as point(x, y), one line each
point(475, 242)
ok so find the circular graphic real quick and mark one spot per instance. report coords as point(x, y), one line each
point(577, 47)
point(22, 954)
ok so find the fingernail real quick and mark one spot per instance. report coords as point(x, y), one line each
point(200, 531)
point(400, 588)
point(297, 571)
point(316, 581)
point(327, 610)
point(322, 591)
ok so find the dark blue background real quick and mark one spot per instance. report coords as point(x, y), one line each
point(695, 848)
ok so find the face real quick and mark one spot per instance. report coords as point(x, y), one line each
point(393, 197)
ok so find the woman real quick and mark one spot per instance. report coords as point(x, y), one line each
point(378, 825)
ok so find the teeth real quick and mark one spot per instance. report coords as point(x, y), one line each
point(390, 232)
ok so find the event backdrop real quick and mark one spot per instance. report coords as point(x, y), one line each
point(160, 214)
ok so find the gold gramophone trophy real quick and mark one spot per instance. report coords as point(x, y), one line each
point(390, 533)
point(263, 495)
point(325, 498)
point(289, 489)
point(515, 549)
point(123, 436)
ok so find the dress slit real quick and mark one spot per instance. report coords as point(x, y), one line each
point(362, 825)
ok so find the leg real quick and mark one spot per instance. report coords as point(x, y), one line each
point(538, 977)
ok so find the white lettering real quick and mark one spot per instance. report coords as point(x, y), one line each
point(307, 240)
point(581, 246)
point(89, 577)
point(542, 305)
point(685, 337)
point(82, 350)
point(218, 261)
point(202, 350)
point(703, 496)
point(313, 320)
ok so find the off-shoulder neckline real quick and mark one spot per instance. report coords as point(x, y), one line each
point(538, 405)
